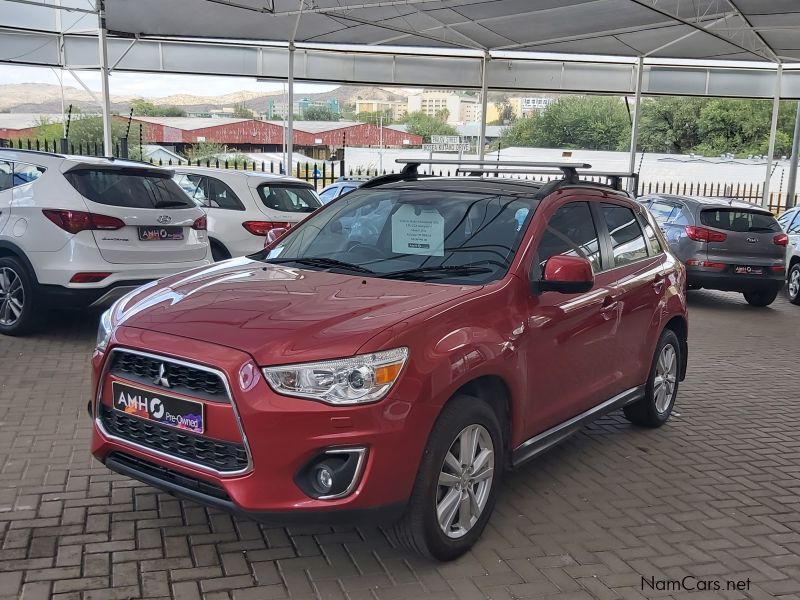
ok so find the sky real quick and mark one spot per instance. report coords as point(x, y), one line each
point(152, 85)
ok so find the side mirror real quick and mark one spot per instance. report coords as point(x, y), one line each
point(566, 275)
point(273, 235)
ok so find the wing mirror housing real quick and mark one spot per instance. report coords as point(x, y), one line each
point(566, 275)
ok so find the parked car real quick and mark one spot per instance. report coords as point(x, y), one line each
point(790, 223)
point(81, 231)
point(725, 244)
point(393, 354)
point(339, 188)
point(243, 206)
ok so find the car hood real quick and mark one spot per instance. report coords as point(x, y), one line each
point(279, 314)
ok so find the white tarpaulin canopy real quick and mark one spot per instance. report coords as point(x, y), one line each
point(694, 29)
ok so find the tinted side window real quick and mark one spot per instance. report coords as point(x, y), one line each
point(289, 198)
point(26, 174)
point(652, 240)
point(794, 228)
point(786, 219)
point(571, 231)
point(328, 195)
point(6, 177)
point(220, 195)
point(661, 212)
point(627, 241)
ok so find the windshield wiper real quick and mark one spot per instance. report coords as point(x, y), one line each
point(321, 261)
point(440, 271)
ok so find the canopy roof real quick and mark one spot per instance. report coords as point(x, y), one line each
point(762, 30)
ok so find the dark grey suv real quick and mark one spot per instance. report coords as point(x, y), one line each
point(725, 244)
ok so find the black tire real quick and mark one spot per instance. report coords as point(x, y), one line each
point(647, 412)
point(219, 252)
point(793, 281)
point(761, 298)
point(419, 529)
point(22, 285)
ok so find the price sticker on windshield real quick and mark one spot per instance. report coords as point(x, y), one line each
point(417, 230)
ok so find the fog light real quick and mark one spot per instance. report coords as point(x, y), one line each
point(333, 473)
point(323, 479)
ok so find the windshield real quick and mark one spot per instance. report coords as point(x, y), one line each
point(131, 188)
point(289, 198)
point(449, 237)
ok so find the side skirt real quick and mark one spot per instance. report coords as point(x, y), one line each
point(547, 439)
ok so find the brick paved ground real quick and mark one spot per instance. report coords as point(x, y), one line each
point(714, 494)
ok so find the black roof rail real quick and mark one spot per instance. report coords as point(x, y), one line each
point(614, 178)
point(570, 170)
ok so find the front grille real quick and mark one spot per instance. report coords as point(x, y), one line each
point(169, 476)
point(217, 455)
point(182, 379)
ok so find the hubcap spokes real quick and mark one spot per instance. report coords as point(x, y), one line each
point(12, 296)
point(794, 283)
point(666, 378)
point(465, 481)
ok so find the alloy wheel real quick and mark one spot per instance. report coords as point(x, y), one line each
point(666, 378)
point(465, 481)
point(12, 296)
point(794, 283)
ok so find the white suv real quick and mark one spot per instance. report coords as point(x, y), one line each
point(82, 231)
point(243, 206)
point(790, 223)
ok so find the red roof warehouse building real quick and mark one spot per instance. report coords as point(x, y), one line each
point(317, 139)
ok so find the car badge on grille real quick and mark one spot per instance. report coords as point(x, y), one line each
point(164, 219)
point(752, 240)
point(161, 378)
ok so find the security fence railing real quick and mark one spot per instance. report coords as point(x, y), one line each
point(322, 173)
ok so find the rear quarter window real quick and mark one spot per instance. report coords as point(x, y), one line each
point(130, 188)
point(738, 219)
point(289, 198)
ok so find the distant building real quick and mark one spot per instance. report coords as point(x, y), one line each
point(15, 126)
point(433, 103)
point(317, 139)
point(276, 109)
point(397, 109)
point(531, 105)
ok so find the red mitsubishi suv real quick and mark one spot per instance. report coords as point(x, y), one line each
point(393, 354)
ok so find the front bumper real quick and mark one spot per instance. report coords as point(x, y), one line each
point(727, 281)
point(282, 434)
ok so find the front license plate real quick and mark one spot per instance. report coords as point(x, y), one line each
point(741, 270)
point(158, 233)
point(154, 406)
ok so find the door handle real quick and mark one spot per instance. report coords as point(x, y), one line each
point(609, 307)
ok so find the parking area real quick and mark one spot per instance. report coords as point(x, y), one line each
point(713, 495)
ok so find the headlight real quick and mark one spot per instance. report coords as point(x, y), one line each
point(356, 380)
point(104, 330)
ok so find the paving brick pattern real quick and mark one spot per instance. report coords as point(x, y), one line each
point(712, 495)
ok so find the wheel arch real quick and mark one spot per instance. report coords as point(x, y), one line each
point(794, 260)
point(212, 241)
point(493, 390)
point(14, 251)
point(679, 327)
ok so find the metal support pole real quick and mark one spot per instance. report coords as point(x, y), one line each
point(792, 185)
point(484, 104)
point(108, 149)
point(635, 125)
point(290, 111)
point(776, 105)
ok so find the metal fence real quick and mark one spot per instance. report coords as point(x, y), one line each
point(322, 173)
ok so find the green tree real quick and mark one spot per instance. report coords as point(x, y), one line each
point(670, 124)
point(319, 113)
point(505, 111)
point(240, 111)
point(419, 123)
point(144, 108)
point(87, 130)
point(587, 122)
